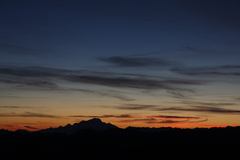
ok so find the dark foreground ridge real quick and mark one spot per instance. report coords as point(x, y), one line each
point(96, 136)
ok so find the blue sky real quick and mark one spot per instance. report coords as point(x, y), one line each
point(158, 57)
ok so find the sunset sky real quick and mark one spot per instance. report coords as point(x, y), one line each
point(142, 63)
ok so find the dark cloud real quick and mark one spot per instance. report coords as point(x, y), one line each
point(176, 94)
point(29, 127)
point(15, 107)
point(28, 115)
point(202, 109)
point(47, 86)
point(116, 81)
point(136, 61)
point(30, 82)
point(168, 121)
point(146, 120)
point(224, 70)
point(173, 117)
point(193, 107)
point(206, 104)
point(179, 121)
point(136, 82)
point(33, 71)
point(102, 93)
point(136, 107)
point(204, 120)
point(120, 82)
point(163, 119)
point(47, 77)
point(105, 116)
point(202, 51)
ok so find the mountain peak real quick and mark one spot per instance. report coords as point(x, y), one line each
point(95, 120)
point(94, 124)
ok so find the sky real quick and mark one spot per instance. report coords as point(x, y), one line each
point(142, 63)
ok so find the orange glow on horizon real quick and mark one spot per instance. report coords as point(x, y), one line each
point(122, 121)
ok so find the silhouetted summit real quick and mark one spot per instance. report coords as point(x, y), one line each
point(94, 124)
point(95, 120)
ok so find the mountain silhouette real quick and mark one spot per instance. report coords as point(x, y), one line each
point(94, 124)
point(95, 136)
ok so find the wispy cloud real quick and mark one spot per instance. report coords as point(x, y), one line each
point(173, 117)
point(15, 107)
point(48, 78)
point(134, 83)
point(136, 107)
point(102, 93)
point(33, 71)
point(192, 107)
point(208, 104)
point(202, 109)
point(224, 70)
point(29, 82)
point(105, 116)
point(144, 120)
point(202, 51)
point(41, 78)
point(169, 121)
point(164, 119)
point(30, 127)
point(29, 115)
point(136, 61)
point(177, 94)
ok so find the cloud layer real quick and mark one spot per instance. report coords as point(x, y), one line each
point(206, 108)
point(28, 115)
point(136, 61)
point(48, 78)
point(224, 70)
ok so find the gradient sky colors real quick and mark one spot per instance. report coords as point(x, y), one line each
point(145, 63)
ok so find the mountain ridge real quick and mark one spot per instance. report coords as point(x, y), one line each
point(94, 124)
